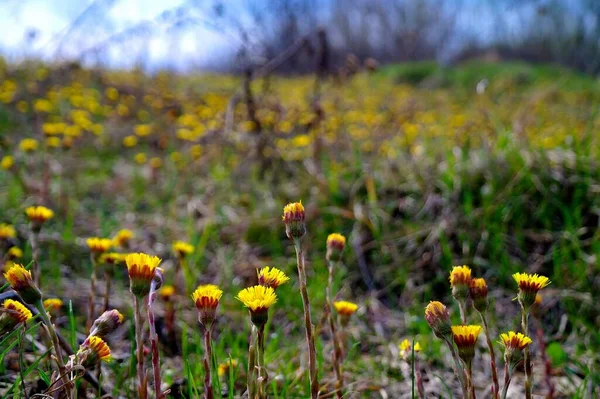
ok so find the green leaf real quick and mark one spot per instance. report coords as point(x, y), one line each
point(557, 354)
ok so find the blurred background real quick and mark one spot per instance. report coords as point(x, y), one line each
point(229, 35)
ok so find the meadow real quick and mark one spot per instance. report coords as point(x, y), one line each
point(420, 167)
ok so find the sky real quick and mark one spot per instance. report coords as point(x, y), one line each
point(160, 45)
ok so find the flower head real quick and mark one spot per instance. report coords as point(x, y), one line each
point(28, 145)
point(167, 292)
point(345, 309)
point(11, 314)
point(224, 367)
point(514, 343)
point(272, 277)
point(529, 286)
point(99, 245)
point(108, 322)
point(206, 297)
point(15, 253)
point(438, 317)
point(478, 290)
point(7, 162)
point(93, 350)
point(335, 245)
point(141, 268)
point(406, 348)
point(465, 338)
point(460, 277)
point(7, 231)
point(122, 238)
point(293, 217)
point(258, 299)
point(112, 258)
point(21, 281)
point(53, 304)
point(38, 215)
point(182, 249)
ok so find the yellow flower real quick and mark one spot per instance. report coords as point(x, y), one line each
point(99, 245)
point(7, 162)
point(272, 277)
point(335, 245)
point(167, 292)
point(156, 162)
point(406, 348)
point(93, 350)
point(143, 130)
point(15, 253)
point(53, 304)
point(438, 318)
point(460, 277)
point(7, 231)
point(478, 290)
point(18, 311)
point(529, 286)
point(112, 258)
point(21, 281)
point(418, 347)
point(226, 366)
point(207, 296)
point(140, 158)
point(515, 340)
point(111, 93)
point(39, 214)
point(141, 268)
point(182, 248)
point(130, 141)
point(293, 217)
point(258, 299)
point(122, 238)
point(53, 142)
point(465, 338)
point(345, 308)
point(28, 145)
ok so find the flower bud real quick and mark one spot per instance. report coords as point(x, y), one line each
point(293, 217)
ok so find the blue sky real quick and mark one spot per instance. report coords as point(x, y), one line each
point(155, 47)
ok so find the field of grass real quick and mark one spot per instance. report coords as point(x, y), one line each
point(422, 168)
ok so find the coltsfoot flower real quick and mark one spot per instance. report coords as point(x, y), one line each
point(438, 317)
point(28, 145)
point(112, 258)
point(529, 286)
point(293, 217)
point(224, 367)
point(12, 313)
point(258, 299)
point(99, 245)
point(478, 290)
point(272, 277)
point(122, 238)
point(141, 268)
point(182, 249)
point(335, 245)
point(21, 281)
point(38, 215)
point(167, 292)
point(14, 253)
point(345, 309)
point(406, 348)
point(93, 351)
point(53, 304)
point(7, 162)
point(465, 338)
point(7, 231)
point(206, 297)
point(108, 322)
point(514, 343)
point(460, 277)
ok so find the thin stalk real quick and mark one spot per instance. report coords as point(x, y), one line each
point(458, 369)
point(62, 371)
point(154, 342)
point(463, 311)
point(251, 379)
point(470, 379)
point(90, 317)
point(208, 391)
point(526, 356)
point(496, 388)
point(108, 278)
point(310, 340)
point(507, 377)
point(337, 351)
point(420, 387)
point(412, 371)
point(35, 253)
point(545, 360)
point(263, 377)
point(139, 323)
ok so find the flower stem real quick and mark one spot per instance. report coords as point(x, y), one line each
point(526, 355)
point(458, 368)
point(507, 377)
point(62, 371)
point(108, 278)
point(496, 386)
point(463, 310)
point(263, 377)
point(153, 342)
point(337, 351)
point(208, 391)
point(90, 318)
point(251, 379)
point(470, 379)
point(142, 387)
point(35, 253)
point(310, 340)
